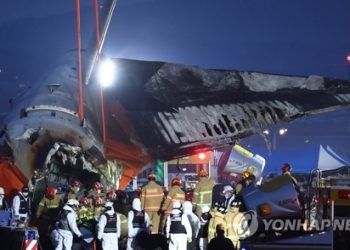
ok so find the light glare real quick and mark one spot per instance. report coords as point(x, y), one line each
point(106, 74)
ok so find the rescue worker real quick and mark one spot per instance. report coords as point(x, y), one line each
point(178, 228)
point(202, 195)
point(138, 221)
point(232, 222)
point(175, 194)
point(218, 217)
point(228, 193)
point(49, 204)
point(111, 196)
point(204, 225)
point(86, 223)
point(74, 188)
point(151, 199)
point(220, 241)
point(21, 207)
point(194, 222)
point(120, 203)
point(47, 213)
point(286, 170)
point(98, 207)
point(108, 228)
point(242, 183)
point(67, 225)
point(96, 191)
point(3, 203)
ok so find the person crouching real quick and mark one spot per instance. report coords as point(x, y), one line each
point(178, 228)
point(108, 228)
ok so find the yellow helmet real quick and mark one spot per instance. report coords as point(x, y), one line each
point(245, 174)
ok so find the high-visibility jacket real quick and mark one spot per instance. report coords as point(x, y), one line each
point(151, 196)
point(295, 182)
point(49, 207)
point(202, 194)
point(217, 218)
point(85, 214)
point(175, 194)
point(232, 225)
point(123, 225)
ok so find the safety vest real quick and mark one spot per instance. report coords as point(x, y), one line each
point(139, 219)
point(23, 205)
point(202, 194)
point(111, 225)
point(204, 221)
point(63, 220)
point(175, 194)
point(176, 226)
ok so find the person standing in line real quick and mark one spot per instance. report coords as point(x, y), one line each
point(108, 228)
point(138, 221)
point(151, 199)
point(21, 207)
point(178, 228)
point(67, 226)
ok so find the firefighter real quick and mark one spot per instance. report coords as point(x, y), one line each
point(86, 222)
point(98, 207)
point(232, 222)
point(203, 231)
point(74, 188)
point(202, 194)
point(220, 241)
point(67, 225)
point(286, 170)
point(108, 228)
point(194, 222)
point(96, 191)
point(175, 194)
point(21, 207)
point(3, 203)
point(242, 183)
point(178, 228)
point(151, 199)
point(218, 217)
point(49, 205)
point(138, 221)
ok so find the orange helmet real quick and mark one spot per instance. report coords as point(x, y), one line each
point(98, 201)
point(111, 195)
point(84, 201)
point(202, 173)
point(245, 175)
point(286, 167)
point(51, 192)
point(75, 183)
point(98, 185)
point(176, 181)
point(152, 177)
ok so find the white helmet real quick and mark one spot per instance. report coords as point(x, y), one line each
point(136, 204)
point(176, 205)
point(228, 188)
point(72, 202)
point(2, 191)
point(109, 204)
point(205, 209)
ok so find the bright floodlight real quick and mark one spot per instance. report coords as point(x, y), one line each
point(282, 131)
point(106, 72)
point(266, 132)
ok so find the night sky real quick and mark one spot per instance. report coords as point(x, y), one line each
point(293, 37)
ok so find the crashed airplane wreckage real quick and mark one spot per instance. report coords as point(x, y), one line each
point(154, 110)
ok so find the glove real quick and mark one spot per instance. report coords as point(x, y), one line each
point(189, 240)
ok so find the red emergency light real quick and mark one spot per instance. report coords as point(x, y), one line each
point(201, 156)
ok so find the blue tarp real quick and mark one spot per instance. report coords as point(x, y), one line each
point(303, 160)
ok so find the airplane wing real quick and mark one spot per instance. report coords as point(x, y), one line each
point(168, 110)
